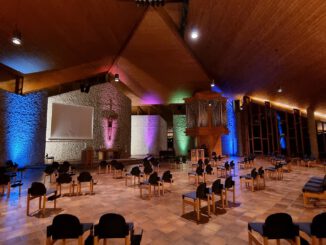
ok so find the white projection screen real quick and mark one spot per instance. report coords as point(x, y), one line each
point(71, 122)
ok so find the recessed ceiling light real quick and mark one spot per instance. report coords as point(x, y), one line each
point(213, 84)
point(116, 77)
point(16, 38)
point(194, 34)
point(280, 90)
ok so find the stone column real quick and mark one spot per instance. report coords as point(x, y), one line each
point(312, 132)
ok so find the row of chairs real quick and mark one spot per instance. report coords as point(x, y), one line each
point(254, 180)
point(203, 193)
point(247, 162)
point(154, 181)
point(110, 226)
point(281, 226)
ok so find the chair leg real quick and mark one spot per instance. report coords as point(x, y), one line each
point(183, 206)
point(197, 206)
point(95, 240)
point(48, 241)
point(213, 202)
point(80, 240)
point(127, 240)
point(265, 241)
point(208, 207)
point(44, 203)
point(27, 206)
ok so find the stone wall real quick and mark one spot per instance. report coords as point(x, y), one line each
point(102, 97)
point(23, 124)
point(149, 135)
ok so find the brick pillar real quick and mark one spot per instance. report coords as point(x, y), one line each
point(312, 132)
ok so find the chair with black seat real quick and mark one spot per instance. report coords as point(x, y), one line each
point(85, 177)
point(148, 170)
point(229, 186)
point(197, 174)
point(232, 167)
point(275, 171)
point(276, 227)
point(118, 169)
point(49, 171)
point(103, 164)
point(153, 181)
point(250, 179)
point(224, 170)
point(38, 190)
point(134, 174)
point(155, 163)
point(65, 179)
point(62, 169)
point(5, 182)
point(194, 199)
point(66, 226)
point(111, 226)
point(217, 189)
point(167, 177)
point(315, 230)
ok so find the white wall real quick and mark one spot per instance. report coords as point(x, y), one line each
point(148, 134)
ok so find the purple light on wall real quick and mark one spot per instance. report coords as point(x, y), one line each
point(109, 134)
point(151, 99)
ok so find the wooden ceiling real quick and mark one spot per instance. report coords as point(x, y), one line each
point(250, 47)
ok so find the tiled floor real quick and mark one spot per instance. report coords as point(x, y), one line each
point(160, 217)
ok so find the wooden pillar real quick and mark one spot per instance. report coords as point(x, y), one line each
point(312, 132)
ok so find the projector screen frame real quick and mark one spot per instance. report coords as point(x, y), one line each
point(51, 138)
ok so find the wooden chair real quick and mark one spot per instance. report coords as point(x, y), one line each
point(134, 174)
point(315, 231)
point(38, 190)
point(85, 177)
point(197, 174)
point(113, 226)
point(224, 170)
point(275, 172)
point(217, 189)
point(261, 178)
point(194, 199)
point(153, 181)
point(104, 164)
point(167, 178)
point(117, 169)
point(314, 188)
point(65, 179)
point(66, 226)
point(49, 171)
point(229, 186)
point(276, 227)
point(250, 179)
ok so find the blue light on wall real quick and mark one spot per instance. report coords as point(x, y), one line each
point(24, 122)
point(229, 141)
point(280, 131)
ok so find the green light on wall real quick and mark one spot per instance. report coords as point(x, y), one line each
point(181, 140)
point(178, 96)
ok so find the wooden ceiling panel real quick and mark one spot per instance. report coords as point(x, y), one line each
point(253, 47)
point(158, 59)
point(61, 34)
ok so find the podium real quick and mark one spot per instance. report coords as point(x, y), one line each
point(87, 157)
point(197, 154)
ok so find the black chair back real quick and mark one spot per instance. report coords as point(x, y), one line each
point(118, 166)
point(84, 177)
point(206, 161)
point(148, 169)
point(217, 187)
point(113, 163)
point(209, 169)
point(167, 176)
point(66, 164)
point(201, 191)
point(226, 165)
point(135, 171)
point(260, 171)
point(49, 169)
point(64, 178)
point(253, 173)
point(65, 226)
point(55, 165)
point(153, 179)
point(280, 226)
point(200, 162)
point(4, 179)
point(63, 168)
point(103, 163)
point(232, 164)
point(111, 226)
point(199, 170)
point(318, 226)
point(229, 183)
point(37, 189)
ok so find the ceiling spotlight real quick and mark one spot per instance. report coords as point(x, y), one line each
point(280, 90)
point(213, 84)
point(116, 77)
point(194, 34)
point(16, 38)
